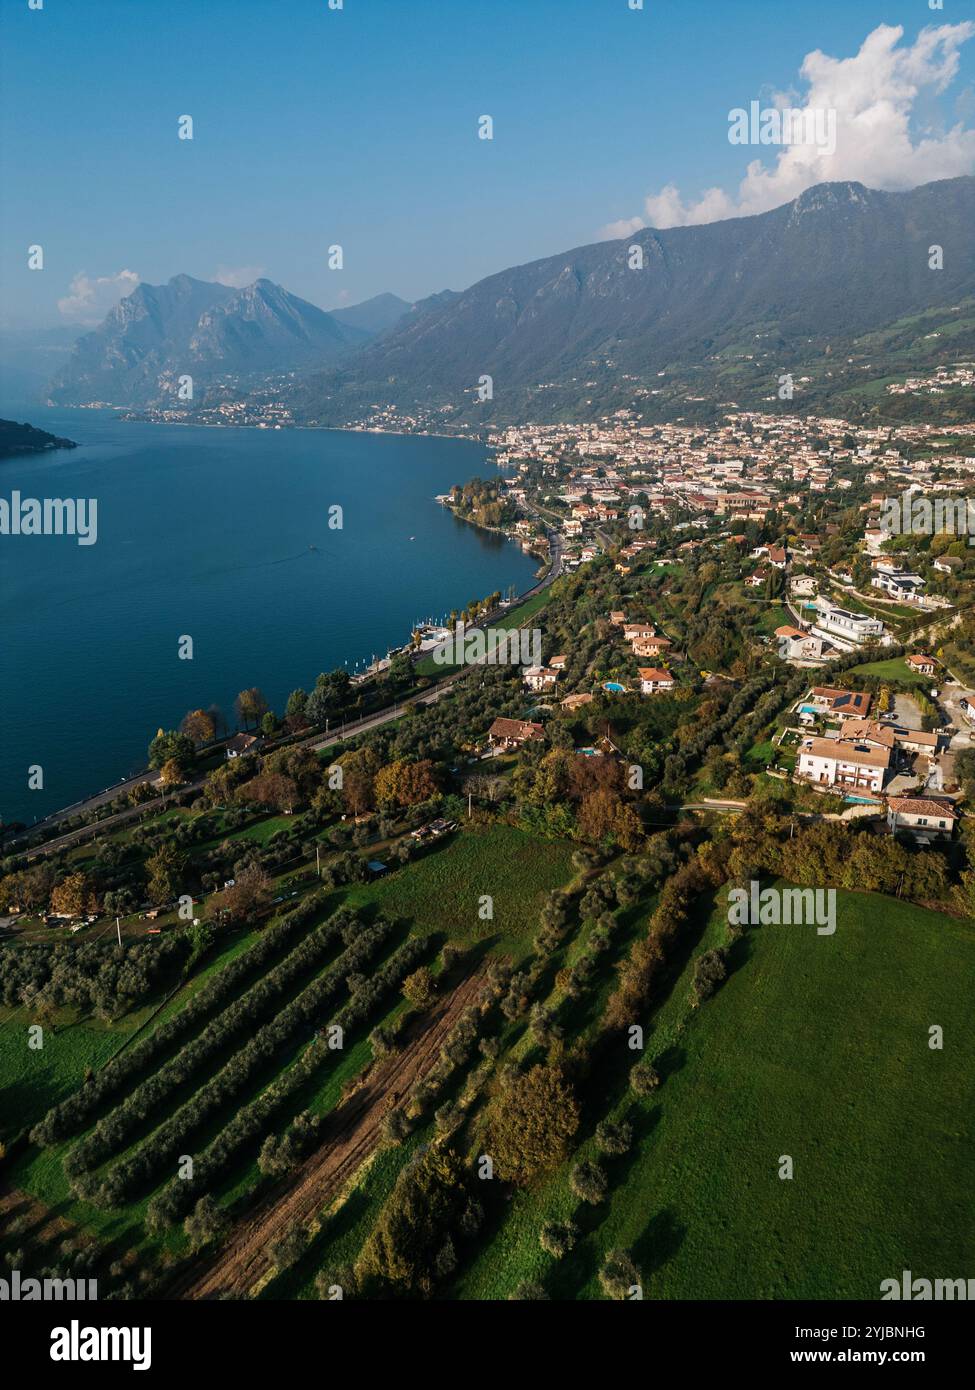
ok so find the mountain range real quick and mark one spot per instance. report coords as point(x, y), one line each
point(720, 310)
point(196, 328)
point(836, 287)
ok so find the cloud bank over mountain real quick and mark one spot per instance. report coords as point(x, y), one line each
point(887, 131)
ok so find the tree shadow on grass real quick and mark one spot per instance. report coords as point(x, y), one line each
point(670, 1062)
point(662, 1238)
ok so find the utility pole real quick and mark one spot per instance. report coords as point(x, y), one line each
point(318, 862)
point(469, 799)
point(118, 928)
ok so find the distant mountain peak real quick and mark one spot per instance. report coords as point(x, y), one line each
point(158, 332)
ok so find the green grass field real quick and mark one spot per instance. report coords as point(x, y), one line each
point(32, 1080)
point(815, 1047)
point(441, 890)
point(895, 669)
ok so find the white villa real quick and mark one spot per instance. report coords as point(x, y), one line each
point(844, 627)
point(653, 680)
point(838, 763)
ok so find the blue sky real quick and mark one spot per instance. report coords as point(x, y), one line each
point(358, 127)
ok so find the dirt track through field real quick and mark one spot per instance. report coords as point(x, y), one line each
point(355, 1125)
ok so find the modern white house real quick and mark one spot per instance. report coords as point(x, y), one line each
point(839, 763)
point(845, 627)
point(903, 585)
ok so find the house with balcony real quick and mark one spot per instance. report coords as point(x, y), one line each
point(843, 763)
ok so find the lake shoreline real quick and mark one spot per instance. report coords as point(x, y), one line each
point(255, 555)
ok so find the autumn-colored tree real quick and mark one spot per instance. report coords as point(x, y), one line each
point(171, 774)
point(244, 901)
point(250, 705)
point(165, 869)
point(72, 896)
point(198, 725)
point(589, 775)
point(28, 888)
point(419, 988)
point(271, 789)
point(531, 1122)
point(602, 815)
point(404, 783)
point(359, 770)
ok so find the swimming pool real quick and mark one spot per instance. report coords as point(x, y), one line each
point(615, 687)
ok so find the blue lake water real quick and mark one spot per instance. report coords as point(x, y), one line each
point(208, 533)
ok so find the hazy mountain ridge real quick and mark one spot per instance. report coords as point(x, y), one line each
point(201, 329)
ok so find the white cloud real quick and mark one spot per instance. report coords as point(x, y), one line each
point(238, 276)
point(626, 226)
point(89, 298)
point(882, 140)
